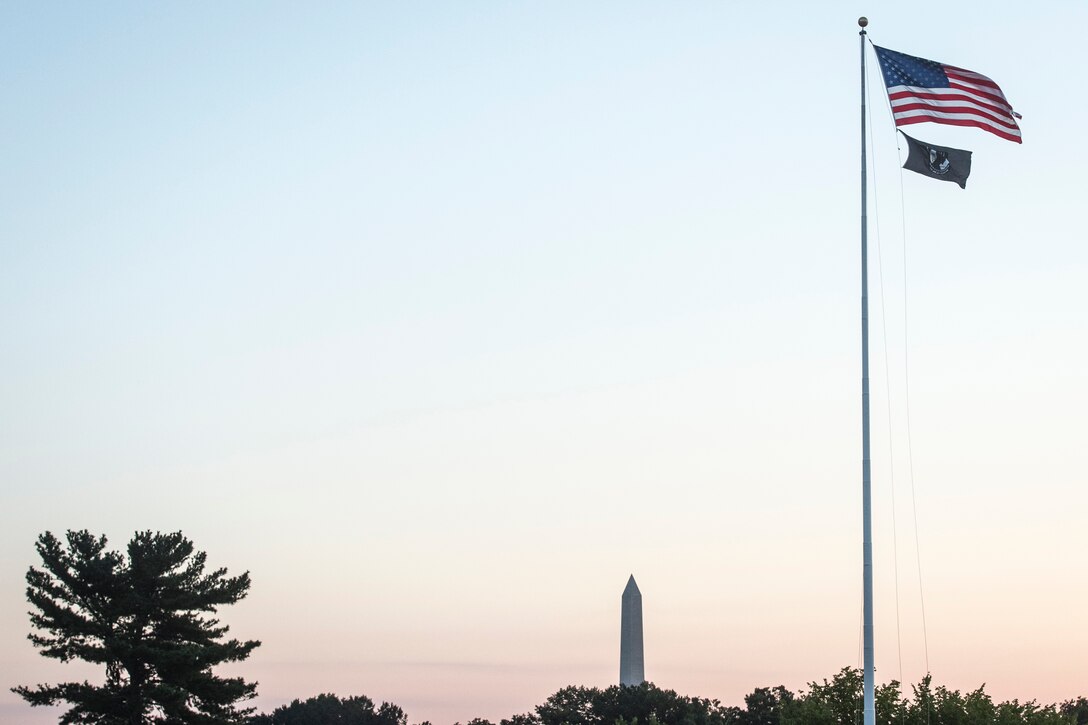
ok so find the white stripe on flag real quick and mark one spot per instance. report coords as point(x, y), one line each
point(984, 104)
point(974, 118)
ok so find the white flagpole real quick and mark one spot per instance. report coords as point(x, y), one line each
point(866, 465)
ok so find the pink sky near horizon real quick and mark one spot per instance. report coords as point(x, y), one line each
point(499, 617)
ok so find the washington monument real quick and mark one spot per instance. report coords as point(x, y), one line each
point(632, 665)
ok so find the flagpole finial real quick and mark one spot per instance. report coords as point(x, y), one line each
point(863, 21)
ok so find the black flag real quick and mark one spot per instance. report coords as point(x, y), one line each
point(938, 162)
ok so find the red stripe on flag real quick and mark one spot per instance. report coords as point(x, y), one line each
point(998, 99)
point(976, 78)
point(958, 122)
point(1003, 111)
point(969, 75)
point(1004, 121)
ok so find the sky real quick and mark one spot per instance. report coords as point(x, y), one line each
point(442, 319)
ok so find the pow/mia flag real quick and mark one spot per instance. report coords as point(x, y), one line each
point(938, 162)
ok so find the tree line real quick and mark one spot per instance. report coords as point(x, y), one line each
point(147, 616)
point(829, 702)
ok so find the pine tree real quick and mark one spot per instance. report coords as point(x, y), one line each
point(144, 617)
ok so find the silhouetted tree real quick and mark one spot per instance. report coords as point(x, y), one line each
point(626, 705)
point(327, 709)
point(891, 708)
point(526, 719)
point(1076, 710)
point(764, 706)
point(837, 702)
point(941, 706)
point(834, 702)
point(570, 706)
point(141, 616)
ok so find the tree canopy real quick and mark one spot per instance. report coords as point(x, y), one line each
point(827, 702)
point(646, 704)
point(838, 702)
point(143, 616)
point(328, 709)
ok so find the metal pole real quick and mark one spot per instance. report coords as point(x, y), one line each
point(866, 465)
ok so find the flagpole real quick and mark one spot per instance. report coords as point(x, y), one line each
point(866, 465)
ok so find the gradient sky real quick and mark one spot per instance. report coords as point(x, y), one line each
point(442, 319)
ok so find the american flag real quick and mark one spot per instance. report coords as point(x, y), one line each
point(923, 90)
